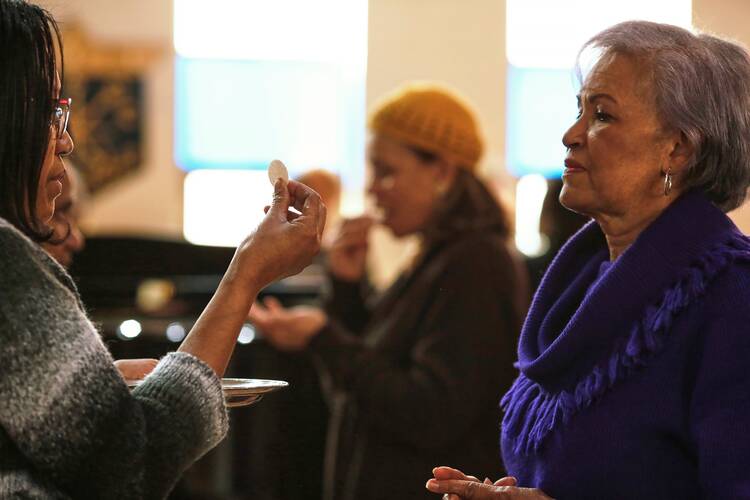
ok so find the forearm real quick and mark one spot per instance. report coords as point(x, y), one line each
point(214, 335)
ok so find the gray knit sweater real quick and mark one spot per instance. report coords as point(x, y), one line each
point(69, 426)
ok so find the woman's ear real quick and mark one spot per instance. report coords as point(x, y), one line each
point(681, 153)
point(446, 174)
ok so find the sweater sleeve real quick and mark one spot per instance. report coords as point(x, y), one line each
point(720, 406)
point(466, 347)
point(67, 410)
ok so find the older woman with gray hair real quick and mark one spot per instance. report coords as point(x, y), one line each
point(633, 358)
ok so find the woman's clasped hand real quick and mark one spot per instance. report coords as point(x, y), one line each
point(455, 485)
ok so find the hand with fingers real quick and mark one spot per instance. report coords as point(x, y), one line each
point(347, 255)
point(287, 329)
point(449, 473)
point(285, 242)
point(455, 485)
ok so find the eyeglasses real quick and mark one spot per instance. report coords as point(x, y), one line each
point(61, 116)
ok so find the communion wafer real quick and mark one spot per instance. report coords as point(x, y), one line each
point(276, 170)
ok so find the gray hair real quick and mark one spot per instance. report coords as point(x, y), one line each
point(701, 86)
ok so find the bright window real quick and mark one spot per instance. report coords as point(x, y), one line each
point(255, 81)
point(221, 207)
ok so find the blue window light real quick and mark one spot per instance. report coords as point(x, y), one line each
point(243, 114)
point(541, 106)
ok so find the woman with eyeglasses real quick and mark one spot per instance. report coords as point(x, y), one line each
point(69, 425)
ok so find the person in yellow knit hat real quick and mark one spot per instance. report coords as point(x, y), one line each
point(415, 374)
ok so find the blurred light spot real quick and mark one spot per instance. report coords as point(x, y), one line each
point(247, 334)
point(129, 329)
point(154, 294)
point(530, 192)
point(175, 332)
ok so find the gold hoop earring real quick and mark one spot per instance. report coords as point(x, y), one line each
point(668, 182)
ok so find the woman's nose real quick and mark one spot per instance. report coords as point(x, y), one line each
point(374, 186)
point(574, 137)
point(64, 145)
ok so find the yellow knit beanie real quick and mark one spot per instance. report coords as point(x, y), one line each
point(432, 118)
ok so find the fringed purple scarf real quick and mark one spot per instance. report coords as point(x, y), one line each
point(575, 346)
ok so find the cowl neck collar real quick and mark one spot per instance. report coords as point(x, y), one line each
point(575, 346)
point(567, 331)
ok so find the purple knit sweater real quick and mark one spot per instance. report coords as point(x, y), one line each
point(639, 388)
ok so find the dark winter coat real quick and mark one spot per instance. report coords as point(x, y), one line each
point(416, 375)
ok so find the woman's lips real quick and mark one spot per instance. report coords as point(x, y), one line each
point(572, 166)
point(55, 185)
point(60, 177)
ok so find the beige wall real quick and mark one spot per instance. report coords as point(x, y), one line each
point(456, 41)
point(148, 202)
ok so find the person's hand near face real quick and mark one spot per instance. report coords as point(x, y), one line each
point(347, 255)
point(287, 329)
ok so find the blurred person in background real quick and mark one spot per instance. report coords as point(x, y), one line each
point(328, 185)
point(414, 374)
point(557, 224)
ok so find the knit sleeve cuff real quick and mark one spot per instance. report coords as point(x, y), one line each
point(188, 387)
